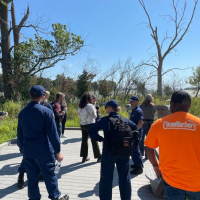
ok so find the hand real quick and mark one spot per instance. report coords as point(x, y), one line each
point(63, 113)
point(5, 113)
point(59, 157)
point(1, 118)
point(158, 172)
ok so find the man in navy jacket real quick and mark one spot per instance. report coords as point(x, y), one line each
point(38, 141)
point(137, 118)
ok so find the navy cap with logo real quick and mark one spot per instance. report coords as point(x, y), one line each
point(134, 98)
point(112, 103)
point(37, 90)
point(181, 97)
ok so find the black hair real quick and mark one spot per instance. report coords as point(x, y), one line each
point(85, 99)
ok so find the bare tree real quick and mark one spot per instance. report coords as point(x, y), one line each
point(91, 66)
point(157, 59)
point(126, 78)
point(174, 83)
point(111, 72)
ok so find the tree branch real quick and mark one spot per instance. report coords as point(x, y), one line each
point(21, 24)
point(148, 64)
point(49, 66)
point(172, 45)
point(169, 70)
point(143, 5)
point(164, 39)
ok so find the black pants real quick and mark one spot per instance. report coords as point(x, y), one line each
point(63, 123)
point(84, 144)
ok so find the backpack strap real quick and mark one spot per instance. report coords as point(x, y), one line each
point(122, 118)
point(112, 120)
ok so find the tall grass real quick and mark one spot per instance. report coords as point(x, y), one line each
point(8, 127)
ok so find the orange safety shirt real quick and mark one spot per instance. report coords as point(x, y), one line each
point(178, 138)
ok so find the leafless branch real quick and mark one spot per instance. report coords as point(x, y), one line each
point(24, 19)
point(164, 39)
point(175, 40)
point(40, 25)
point(147, 64)
point(171, 70)
point(143, 5)
point(92, 66)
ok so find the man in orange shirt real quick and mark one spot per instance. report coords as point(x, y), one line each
point(178, 138)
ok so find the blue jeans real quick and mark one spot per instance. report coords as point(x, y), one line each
point(106, 180)
point(136, 154)
point(173, 193)
point(59, 126)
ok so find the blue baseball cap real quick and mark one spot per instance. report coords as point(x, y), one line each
point(37, 90)
point(134, 98)
point(112, 103)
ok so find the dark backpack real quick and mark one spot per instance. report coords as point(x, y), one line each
point(121, 140)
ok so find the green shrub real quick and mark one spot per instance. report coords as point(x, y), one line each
point(13, 108)
point(8, 130)
point(8, 127)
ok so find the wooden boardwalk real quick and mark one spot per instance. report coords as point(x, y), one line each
point(80, 181)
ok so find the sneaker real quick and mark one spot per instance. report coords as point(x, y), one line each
point(85, 159)
point(138, 170)
point(66, 197)
point(99, 160)
point(63, 136)
point(20, 181)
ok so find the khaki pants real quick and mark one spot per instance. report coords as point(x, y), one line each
point(84, 144)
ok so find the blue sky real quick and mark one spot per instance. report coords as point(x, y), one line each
point(112, 31)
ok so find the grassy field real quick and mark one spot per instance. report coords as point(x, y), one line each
point(8, 127)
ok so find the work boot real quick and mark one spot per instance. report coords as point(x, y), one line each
point(66, 197)
point(20, 180)
point(137, 170)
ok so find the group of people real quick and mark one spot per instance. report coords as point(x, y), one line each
point(176, 135)
point(90, 127)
